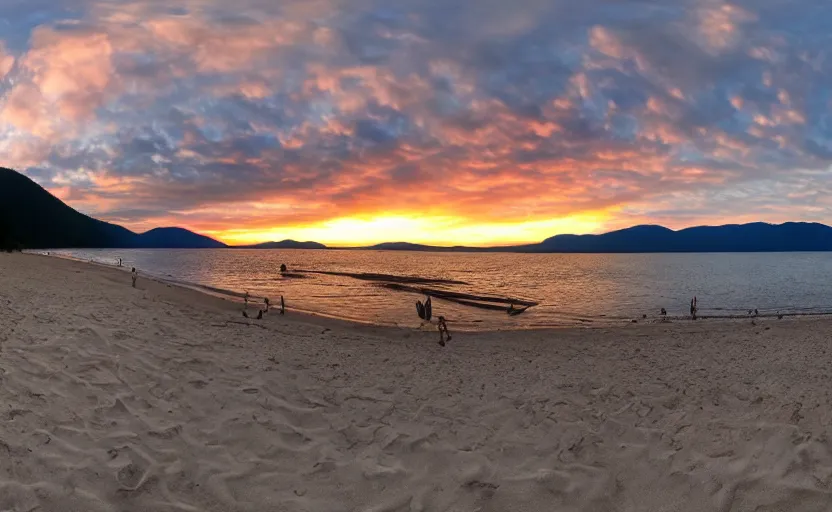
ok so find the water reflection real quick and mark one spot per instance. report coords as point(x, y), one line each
point(573, 289)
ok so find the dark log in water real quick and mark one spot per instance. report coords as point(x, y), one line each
point(480, 305)
point(512, 311)
point(466, 299)
point(384, 277)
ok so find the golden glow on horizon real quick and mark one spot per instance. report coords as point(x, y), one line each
point(442, 231)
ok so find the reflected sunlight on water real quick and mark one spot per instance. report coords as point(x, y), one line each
point(573, 289)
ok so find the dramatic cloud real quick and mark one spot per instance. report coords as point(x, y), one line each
point(446, 121)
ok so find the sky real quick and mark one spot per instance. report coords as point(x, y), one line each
point(478, 122)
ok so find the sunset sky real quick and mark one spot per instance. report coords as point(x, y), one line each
point(475, 122)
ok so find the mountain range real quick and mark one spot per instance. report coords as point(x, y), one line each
point(753, 237)
point(285, 244)
point(32, 218)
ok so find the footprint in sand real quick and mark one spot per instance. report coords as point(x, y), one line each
point(198, 384)
point(133, 476)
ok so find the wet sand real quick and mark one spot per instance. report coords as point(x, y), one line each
point(163, 398)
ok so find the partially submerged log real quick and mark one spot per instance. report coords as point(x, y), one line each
point(446, 294)
point(405, 284)
point(512, 311)
point(480, 305)
point(466, 299)
point(367, 276)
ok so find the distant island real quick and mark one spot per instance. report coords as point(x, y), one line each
point(285, 244)
point(407, 246)
point(32, 218)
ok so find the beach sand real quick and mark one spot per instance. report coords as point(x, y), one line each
point(161, 398)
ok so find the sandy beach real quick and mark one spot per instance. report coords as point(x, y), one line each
point(161, 398)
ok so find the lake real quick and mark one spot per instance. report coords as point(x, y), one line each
point(572, 289)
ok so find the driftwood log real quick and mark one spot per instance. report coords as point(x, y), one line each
point(410, 284)
point(466, 299)
point(366, 276)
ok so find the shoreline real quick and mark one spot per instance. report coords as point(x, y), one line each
point(226, 298)
point(235, 297)
point(231, 302)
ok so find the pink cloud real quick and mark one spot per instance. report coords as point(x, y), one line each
point(72, 69)
point(719, 24)
point(6, 61)
point(66, 75)
point(26, 109)
point(218, 48)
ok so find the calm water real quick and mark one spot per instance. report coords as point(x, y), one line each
point(580, 289)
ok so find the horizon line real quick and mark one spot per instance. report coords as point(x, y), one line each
point(506, 245)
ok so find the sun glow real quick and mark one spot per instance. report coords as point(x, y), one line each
point(443, 231)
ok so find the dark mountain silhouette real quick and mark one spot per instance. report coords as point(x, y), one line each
point(175, 238)
point(407, 246)
point(285, 244)
point(32, 218)
point(755, 237)
point(7, 242)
